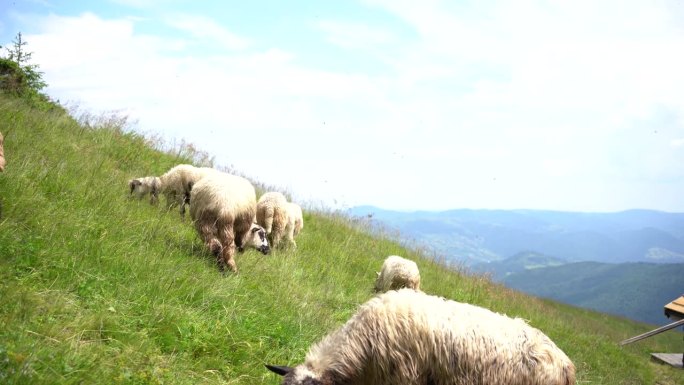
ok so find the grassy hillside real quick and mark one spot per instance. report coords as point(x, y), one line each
point(96, 288)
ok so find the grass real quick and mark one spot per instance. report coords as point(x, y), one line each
point(98, 288)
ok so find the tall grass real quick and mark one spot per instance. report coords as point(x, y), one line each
point(99, 288)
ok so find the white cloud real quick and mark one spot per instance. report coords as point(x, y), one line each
point(354, 35)
point(205, 28)
point(499, 105)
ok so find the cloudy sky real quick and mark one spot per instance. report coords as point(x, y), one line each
point(562, 105)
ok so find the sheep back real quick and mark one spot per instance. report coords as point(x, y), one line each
point(398, 273)
point(409, 337)
point(272, 215)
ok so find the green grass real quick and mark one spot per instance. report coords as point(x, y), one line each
point(99, 288)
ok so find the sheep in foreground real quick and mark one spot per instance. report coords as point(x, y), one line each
point(222, 209)
point(273, 214)
point(397, 273)
point(2, 153)
point(411, 338)
point(139, 187)
point(178, 181)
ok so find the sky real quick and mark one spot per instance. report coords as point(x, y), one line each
point(406, 105)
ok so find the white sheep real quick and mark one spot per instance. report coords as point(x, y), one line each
point(139, 187)
point(296, 217)
point(176, 184)
point(273, 214)
point(397, 273)
point(222, 207)
point(2, 153)
point(408, 337)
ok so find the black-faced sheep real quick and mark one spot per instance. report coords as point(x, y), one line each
point(139, 187)
point(2, 153)
point(408, 337)
point(178, 181)
point(397, 273)
point(222, 208)
point(272, 214)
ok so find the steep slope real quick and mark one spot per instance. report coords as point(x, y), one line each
point(96, 288)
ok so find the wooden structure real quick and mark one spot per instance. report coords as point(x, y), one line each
point(675, 312)
point(675, 309)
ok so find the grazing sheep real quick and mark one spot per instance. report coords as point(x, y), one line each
point(411, 338)
point(272, 214)
point(142, 186)
point(178, 181)
point(295, 223)
point(295, 213)
point(397, 273)
point(2, 154)
point(223, 208)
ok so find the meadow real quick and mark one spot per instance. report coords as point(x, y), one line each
point(98, 288)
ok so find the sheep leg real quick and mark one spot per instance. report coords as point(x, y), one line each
point(268, 219)
point(207, 231)
point(227, 238)
point(289, 235)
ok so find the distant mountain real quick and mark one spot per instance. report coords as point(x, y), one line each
point(518, 263)
point(634, 290)
point(476, 236)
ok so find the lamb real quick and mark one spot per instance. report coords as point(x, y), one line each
point(273, 214)
point(295, 223)
point(2, 154)
point(176, 184)
point(296, 217)
point(411, 338)
point(397, 273)
point(222, 209)
point(140, 187)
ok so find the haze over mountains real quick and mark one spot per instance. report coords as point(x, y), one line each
point(629, 263)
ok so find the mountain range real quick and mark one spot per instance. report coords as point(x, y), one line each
point(627, 263)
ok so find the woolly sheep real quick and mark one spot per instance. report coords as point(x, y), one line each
point(411, 338)
point(295, 213)
point(178, 181)
point(273, 214)
point(397, 273)
point(140, 187)
point(2, 154)
point(295, 223)
point(223, 208)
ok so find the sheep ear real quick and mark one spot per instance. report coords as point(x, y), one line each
point(280, 370)
point(377, 273)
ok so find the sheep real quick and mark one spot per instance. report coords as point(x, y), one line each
point(140, 187)
point(411, 338)
point(397, 273)
point(176, 184)
point(295, 223)
point(295, 213)
point(222, 209)
point(273, 214)
point(2, 153)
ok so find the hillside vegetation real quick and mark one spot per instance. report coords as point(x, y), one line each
point(98, 288)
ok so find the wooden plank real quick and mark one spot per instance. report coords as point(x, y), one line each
point(672, 359)
point(675, 309)
point(653, 332)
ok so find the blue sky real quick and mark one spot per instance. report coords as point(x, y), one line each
point(562, 105)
